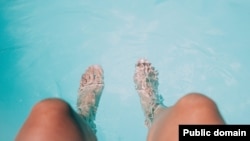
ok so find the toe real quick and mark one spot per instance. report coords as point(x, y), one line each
point(98, 74)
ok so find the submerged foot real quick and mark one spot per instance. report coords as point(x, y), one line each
point(146, 84)
point(91, 87)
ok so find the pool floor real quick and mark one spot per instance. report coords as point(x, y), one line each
point(198, 46)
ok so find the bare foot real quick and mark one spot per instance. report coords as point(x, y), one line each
point(91, 87)
point(146, 84)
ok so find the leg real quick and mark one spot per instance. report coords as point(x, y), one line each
point(162, 121)
point(191, 109)
point(52, 120)
point(55, 120)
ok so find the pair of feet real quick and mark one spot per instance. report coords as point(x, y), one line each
point(146, 85)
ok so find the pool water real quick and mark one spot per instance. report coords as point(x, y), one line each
point(197, 46)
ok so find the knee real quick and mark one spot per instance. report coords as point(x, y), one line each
point(194, 101)
point(198, 108)
point(51, 107)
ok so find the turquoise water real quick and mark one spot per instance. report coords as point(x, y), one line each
point(197, 45)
